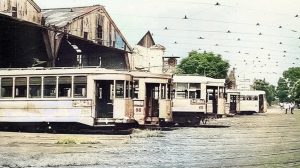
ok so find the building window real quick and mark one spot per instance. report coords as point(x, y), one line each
point(64, 86)
point(50, 87)
point(35, 87)
point(99, 32)
point(6, 87)
point(85, 35)
point(14, 11)
point(80, 85)
point(21, 87)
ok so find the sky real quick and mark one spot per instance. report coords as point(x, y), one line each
point(260, 38)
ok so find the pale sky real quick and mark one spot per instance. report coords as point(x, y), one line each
point(255, 56)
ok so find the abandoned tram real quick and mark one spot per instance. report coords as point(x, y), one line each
point(93, 97)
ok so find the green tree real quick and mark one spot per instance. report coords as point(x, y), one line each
point(287, 89)
point(282, 90)
point(296, 92)
point(268, 88)
point(292, 75)
point(206, 64)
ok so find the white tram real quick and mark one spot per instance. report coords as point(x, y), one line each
point(151, 98)
point(90, 96)
point(196, 98)
point(253, 101)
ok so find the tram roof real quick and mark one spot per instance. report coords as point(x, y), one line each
point(140, 74)
point(252, 92)
point(198, 79)
point(58, 71)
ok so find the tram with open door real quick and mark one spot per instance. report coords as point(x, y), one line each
point(93, 97)
point(151, 98)
point(196, 98)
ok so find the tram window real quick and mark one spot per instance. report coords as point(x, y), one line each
point(181, 90)
point(195, 94)
point(169, 91)
point(127, 89)
point(50, 87)
point(136, 89)
point(221, 92)
point(210, 96)
point(242, 98)
point(255, 98)
point(64, 86)
point(131, 89)
point(35, 87)
point(194, 91)
point(6, 87)
point(249, 97)
point(21, 87)
point(119, 89)
point(163, 91)
point(80, 85)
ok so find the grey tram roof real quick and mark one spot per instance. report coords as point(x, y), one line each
point(61, 17)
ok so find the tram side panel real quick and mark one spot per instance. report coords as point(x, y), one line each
point(46, 111)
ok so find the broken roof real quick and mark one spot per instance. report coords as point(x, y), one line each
point(34, 5)
point(60, 17)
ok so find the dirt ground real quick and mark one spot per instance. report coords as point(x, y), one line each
point(271, 139)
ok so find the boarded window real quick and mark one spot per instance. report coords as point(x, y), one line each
point(80, 86)
point(50, 87)
point(35, 87)
point(119, 89)
point(21, 87)
point(6, 87)
point(64, 86)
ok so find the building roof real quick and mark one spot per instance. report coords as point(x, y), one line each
point(61, 17)
point(34, 5)
point(147, 40)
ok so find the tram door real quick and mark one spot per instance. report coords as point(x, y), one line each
point(261, 103)
point(104, 98)
point(152, 100)
point(233, 103)
point(213, 97)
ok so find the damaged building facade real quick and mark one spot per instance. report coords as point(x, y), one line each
point(63, 37)
point(149, 56)
point(26, 10)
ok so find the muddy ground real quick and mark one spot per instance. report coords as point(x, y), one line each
point(264, 140)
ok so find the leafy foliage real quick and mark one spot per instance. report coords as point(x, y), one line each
point(282, 90)
point(268, 88)
point(296, 92)
point(206, 64)
point(288, 87)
